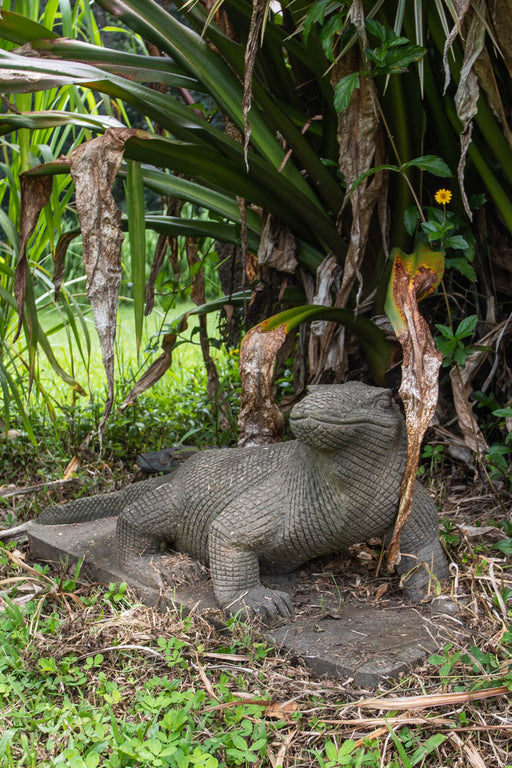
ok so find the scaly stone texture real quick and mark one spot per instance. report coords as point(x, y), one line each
point(273, 508)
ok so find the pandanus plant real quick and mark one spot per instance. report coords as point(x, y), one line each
point(322, 119)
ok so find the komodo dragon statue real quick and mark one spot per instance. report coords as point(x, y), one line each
point(275, 507)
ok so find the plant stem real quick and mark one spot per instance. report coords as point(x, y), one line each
point(399, 162)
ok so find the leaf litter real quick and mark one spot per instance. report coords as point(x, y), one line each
point(469, 708)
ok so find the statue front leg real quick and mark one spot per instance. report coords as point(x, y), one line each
point(235, 574)
point(423, 562)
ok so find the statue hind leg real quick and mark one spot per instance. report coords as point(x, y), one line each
point(143, 528)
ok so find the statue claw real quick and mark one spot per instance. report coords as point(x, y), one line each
point(262, 603)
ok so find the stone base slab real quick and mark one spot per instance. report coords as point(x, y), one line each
point(349, 641)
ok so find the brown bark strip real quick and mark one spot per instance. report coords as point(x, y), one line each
point(251, 50)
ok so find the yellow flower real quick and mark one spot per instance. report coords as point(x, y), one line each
point(443, 196)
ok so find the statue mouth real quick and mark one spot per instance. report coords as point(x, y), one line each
point(377, 411)
point(379, 420)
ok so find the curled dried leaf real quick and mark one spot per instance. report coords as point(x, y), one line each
point(93, 167)
point(466, 97)
point(155, 371)
point(412, 278)
point(35, 194)
point(260, 420)
point(461, 389)
point(278, 247)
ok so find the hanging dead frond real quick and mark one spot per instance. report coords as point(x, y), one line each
point(466, 97)
point(278, 247)
point(251, 50)
point(93, 167)
point(35, 194)
point(413, 277)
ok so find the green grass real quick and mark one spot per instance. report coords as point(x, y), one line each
point(176, 410)
point(89, 678)
point(89, 371)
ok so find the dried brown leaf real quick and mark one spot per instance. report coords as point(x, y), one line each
point(413, 703)
point(35, 194)
point(280, 710)
point(278, 247)
point(328, 278)
point(93, 167)
point(260, 420)
point(207, 684)
point(471, 755)
point(487, 78)
point(251, 49)
point(501, 13)
point(419, 387)
point(155, 372)
point(359, 149)
point(460, 10)
point(461, 389)
point(468, 91)
point(381, 590)
point(59, 260)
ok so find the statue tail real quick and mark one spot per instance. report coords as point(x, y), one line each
point(103, 505)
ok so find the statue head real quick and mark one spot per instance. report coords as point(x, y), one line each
point(333, 416)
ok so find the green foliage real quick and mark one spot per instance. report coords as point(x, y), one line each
point(337, 757)
point(344, 89)
point(475, 668)
point(432, 457)
point(451, 343)
point(91, 79)
point(393, 56)
point(446, 661)
point(498, 460)
point(69, 712)
point(201, 163)
point(441, 228)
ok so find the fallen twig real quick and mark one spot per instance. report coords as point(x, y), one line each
point(7, 491)
point(16, 532)
point(433, 699)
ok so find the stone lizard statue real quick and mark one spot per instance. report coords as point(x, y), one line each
point(275, 507)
